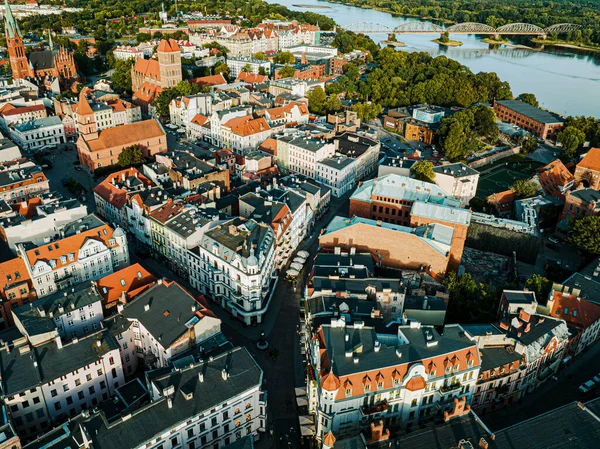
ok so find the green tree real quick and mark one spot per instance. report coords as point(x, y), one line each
point(469, 301)
point(444, 38)
point(133, 155)
point(540, 285)
point(262, 71)
point(423, 170)
point(260, 56)
point(529, 144)
point(286, 71)
point(454, 140)
point(585, 234)
point(121, 77)
point(571, 139)
point(142, 37)
point(222, 68)
point(316, 100)
point(247, 68)
point(485, 121)
point(529, 99)
point(164, 98)
point(332, 104)
point(524, 188)
point(367, 111)
point(285, 57)
point(351, 71)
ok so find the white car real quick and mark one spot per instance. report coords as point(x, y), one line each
point(587, 386)
point(553, 239)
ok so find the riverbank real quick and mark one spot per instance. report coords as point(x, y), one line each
point(394, 43)
point(565, 44)
point(300, 5)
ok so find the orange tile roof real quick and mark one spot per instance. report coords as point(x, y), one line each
point(502, 200)
point(591, 160)
point(555, 176)
point(84, 108)
point(168, 46)
point(269, 145)
point(126, 135)
point(30, 206)
point(276, 113)
point(574, 310)
point(9, 271)
point(247, 126)
point(149, 68)
point(69, 245)
point(7, 107)
point(212, 80)
point(133, 279)
point(113, 194)
point(22, 110)
point(147, 92)
point(120, 105)
point(252, 78)
point(167, 211)
point(199, 119)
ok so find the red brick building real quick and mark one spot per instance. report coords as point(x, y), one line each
point(587, 171)
point(539, 122)
point(581, 203)
point(556, 179)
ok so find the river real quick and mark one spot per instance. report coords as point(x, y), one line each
point(563, 80)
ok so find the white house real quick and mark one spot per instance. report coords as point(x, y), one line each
point(234, 266)
point(458, 179)
point(183, 109)
point(39, 133)
point(338, 173)
point(236, 65)
point(304, 153)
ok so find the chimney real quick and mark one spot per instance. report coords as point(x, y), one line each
point(146, 307)
point(224, 373)
point(200, 377)
point(58, 341)
point(170, 402)
point(483, 444)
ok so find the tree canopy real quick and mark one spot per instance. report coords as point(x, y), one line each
point(469, 301)
point(524, 188)
point(461, 133)
point(585, 234)
point(284, 57)
point(528, 98)
point(423, 170)
point(287, 71)
point(132, 155)
point(540, 285)
point(571, 138)
point(163, 99)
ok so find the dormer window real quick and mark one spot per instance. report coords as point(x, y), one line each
point(379, 385)
point(348, 392)
point(367, 388)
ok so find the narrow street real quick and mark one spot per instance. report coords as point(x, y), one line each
point(286, 371)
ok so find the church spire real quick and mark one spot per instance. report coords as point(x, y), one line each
point(10, 24)
point(50, 43)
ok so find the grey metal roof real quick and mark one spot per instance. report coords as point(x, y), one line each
point(308, 143)
point(337, 162)
point(457, 170)
point(169, 314)
point(354, 145)
point(186, 223)
point(519, 296)
point(152, 420)
point(586, 195)
point(37, 317)
point(537, 114)
point(494, 357)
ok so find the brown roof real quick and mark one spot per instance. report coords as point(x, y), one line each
point(199, 119)
point(168, 46)
point(147, 92)
point(8, 273)
point(133, 280)
point(22, 110)
point(84, 107)
point(574, 310)
point(149, 68)
point(212, 80)
point(591, 160)
point(167, 211)
point(246, 126)
point(252, 78)
point(126, 135)
point(554, 176)
point(69, 245)
point(503, 201)
point(113, 194)
point(28, 211)
point(269, 145)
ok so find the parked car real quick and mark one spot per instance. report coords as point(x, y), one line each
point(553, 239)
point(587, 386)
point(596, 378)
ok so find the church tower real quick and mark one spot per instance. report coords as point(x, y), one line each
point(86, 122)
point(14, 42)
point(169, 62)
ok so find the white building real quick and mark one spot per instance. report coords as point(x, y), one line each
point(234, 266)
point(245, 133)
point(39, 133)
point(305, 152)
point(338, 173)
point(408, 377)
point(125, 52)
point(44, 225)
point(46, 384)
point(209, 403)
point(124, 112)
point(364, 149)
point(459, 180)
point(8, 150)
point(293, 86)
point(292, 112)
point(183, 109)
point(71, 314)
point(86, 255)
point(166, 321)
point(236, 65)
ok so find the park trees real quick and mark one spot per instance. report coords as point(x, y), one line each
point(585, 234)
point(571, 138)
point(133, 155)
point(286, 71)
point(423, 170)
point(524, 188)
point(285, 57)
point(528, 98)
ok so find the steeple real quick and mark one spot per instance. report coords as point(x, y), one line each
point(10, 24)
point(86, 122)
point(50, 43)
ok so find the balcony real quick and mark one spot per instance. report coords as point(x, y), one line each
point(450, 389)
point(375, 409)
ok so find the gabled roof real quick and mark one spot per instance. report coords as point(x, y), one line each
point(555, 176)
point(133, 280)
point(591, 160)
point(574, 310)
point(168, 46)
point(247, 126)
point(212, 80)
point(126, 135)
point(84, 107)
point(251, 78)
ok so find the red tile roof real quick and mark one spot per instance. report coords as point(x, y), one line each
point(199, 119)
point(112, 193)
point(247, 126)
point(555, 176)
point(574, 310)
point(132, 280)
point(252, 78)
point(168, 46)
point(591, 160)
point(126, 135)
point(22, 110)
point(212, 80)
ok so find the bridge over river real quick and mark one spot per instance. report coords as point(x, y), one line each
point(415, 27)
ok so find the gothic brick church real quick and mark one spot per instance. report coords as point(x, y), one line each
point(38, 65)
